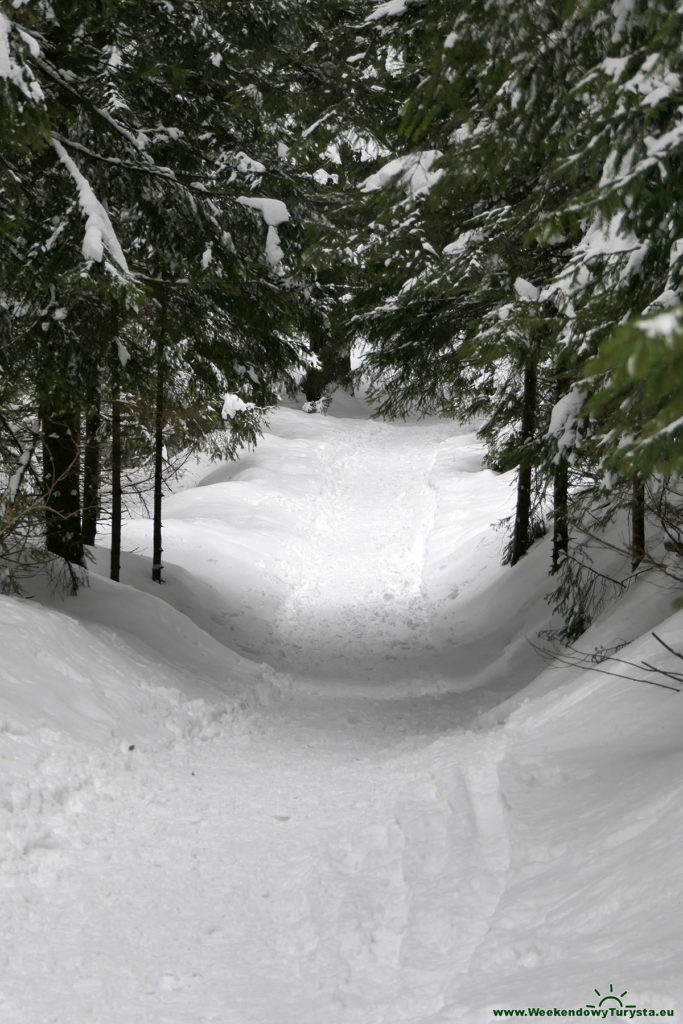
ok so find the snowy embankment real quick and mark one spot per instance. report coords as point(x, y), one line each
point(321, 774)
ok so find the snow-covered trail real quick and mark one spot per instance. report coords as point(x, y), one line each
point(325, 557)
point(356, 606)
point(339, 590)
point(336, 830)
point(248, 880)
point(311, 867)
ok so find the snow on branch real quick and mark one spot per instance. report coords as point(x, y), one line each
point(232, 404)
point(19, 74)
point(246, 165)
point(564, 422)
point(391, 9)
point(274, 213)
point(413, 172)
point(99, 232)
point(665, 324)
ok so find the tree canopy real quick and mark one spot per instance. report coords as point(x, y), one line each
point(486, 196)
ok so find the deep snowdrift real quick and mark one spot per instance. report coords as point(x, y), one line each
point(321, 774)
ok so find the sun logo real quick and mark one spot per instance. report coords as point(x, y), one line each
point(611, 998)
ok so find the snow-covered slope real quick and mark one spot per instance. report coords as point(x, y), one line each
point(321, 774)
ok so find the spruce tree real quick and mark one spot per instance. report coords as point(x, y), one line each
point(141, 167)
point(547, 215)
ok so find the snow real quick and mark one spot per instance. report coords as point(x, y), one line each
point(622, 10)
point(115, 58)
point(16, 477)
point(245, 165)
point(413, 172)
point(607, 239)
point(615, 66)
point(391, 9)
point(122, 353)
point(659, 146)
point(663, 324)
point(654, 82)
point(321, 774)
point(526, 290)
point(232, 404)
point(99, 233)
point(20, 75)
point(274, 213)
point(564, 420)
point(462, 242)
point(316, 124)
point(31, 42)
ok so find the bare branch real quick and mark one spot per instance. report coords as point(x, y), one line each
point(580, 662)
point(659, 640)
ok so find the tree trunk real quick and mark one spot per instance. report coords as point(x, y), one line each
point(560, 514)
point(91, 475)
point(521, 540)
point(313, 384)
point(637, 523)
point(560, 486)
point(335, 367)
point(115, 562)
point(61, 476)
point(158, 466)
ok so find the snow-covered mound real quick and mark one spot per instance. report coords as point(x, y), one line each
point(321, 774)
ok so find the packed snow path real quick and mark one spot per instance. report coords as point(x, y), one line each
point(252, 880)
point(356, 509)
point(337, 551)
point(335, 844)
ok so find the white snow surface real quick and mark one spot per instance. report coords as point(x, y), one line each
point(320, 775)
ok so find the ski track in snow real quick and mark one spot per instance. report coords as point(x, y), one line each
point(341, 854)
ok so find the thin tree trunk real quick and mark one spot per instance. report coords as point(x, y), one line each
point(560, 489)
point(61, 476)
point(91, 474)
point(560, 514)
point(637, 522)
point(521, 541)
point(158, 466)
point(115, 563)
